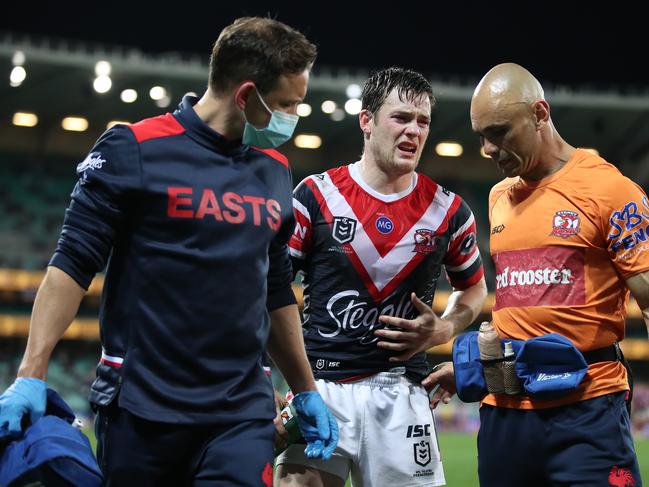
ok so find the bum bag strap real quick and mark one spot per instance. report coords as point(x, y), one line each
point(612, 353)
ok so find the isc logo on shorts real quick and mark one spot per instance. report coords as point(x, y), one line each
point(417, 430)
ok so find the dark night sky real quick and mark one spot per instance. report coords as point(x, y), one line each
point(568, 42)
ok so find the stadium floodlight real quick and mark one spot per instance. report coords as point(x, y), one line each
point(112, 123)
point(304, 109)
point(163, 102)
point(24, 119)
point(307, 141)
point(18, 59)
point(157, 93)
point(353, 91)
point(129, 95)
point(102, 68)
point(448, 149)
point(17, 76)
point(102, 84)
point(338, 115)
point(353, 106)
point(328, 106)
point(74, 124)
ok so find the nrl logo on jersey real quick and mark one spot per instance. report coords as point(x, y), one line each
point(424, 241)
point(344, 229)
point(565, 224)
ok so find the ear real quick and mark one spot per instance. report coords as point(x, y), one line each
point(541, 112)
point(365, 121)
point(242, 92)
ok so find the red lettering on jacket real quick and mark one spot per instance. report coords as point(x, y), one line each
point(209, 206)
point(230, 207)
point(238, 214)
point(175, 200)
point(274, 220)
point(255, 201)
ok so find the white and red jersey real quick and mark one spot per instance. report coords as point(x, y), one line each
point(363, 253)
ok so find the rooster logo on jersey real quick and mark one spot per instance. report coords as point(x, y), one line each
point(621, 477)
point(424, 241)
point(565, 224)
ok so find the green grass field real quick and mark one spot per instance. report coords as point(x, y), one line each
point(460, 458)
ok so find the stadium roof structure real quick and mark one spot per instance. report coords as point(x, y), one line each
point(59, 83)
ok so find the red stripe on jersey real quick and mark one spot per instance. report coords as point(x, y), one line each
point(377, 295)
point(467, 283)
point(301, 238)
point(410, 208)
point(278, 156)
point(110, 363)
point(153, 128)
point(457, 201)
point(455, 256)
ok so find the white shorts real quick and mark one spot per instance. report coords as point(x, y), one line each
point(387, 433)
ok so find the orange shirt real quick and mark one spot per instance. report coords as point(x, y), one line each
point(562, 247)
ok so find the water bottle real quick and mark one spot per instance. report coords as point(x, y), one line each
point(513, 385)
point(289, 420)
point(491, 349)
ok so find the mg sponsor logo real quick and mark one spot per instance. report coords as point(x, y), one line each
point(384, 224)
point(547, 276)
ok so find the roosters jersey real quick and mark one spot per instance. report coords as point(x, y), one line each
point(363, 253)
point(562, 247)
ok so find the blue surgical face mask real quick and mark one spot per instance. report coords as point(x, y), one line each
point(279, 129)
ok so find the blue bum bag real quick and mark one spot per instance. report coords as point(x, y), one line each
point(549, 366)
point(470, 383)
point(51, 452)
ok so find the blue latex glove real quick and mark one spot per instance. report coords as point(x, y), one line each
point(317, 425)
point(27, 395)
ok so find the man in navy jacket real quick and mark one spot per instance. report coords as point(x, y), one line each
point(190, 212)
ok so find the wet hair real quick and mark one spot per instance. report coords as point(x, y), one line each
point(258, 49)
point(410, 86)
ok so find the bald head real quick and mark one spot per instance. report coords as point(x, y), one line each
point(510, 114)
point(507, 83)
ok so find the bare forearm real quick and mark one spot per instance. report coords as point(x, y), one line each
point(464, 306)
point(286, 348)
point(639, 286)
point(55, 306)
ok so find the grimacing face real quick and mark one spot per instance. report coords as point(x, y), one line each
point(398, 133)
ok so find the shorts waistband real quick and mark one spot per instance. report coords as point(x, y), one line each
point(384, 379)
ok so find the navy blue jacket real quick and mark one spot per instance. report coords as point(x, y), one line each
point(193, 229)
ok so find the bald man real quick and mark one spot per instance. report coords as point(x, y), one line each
point(569, 241)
